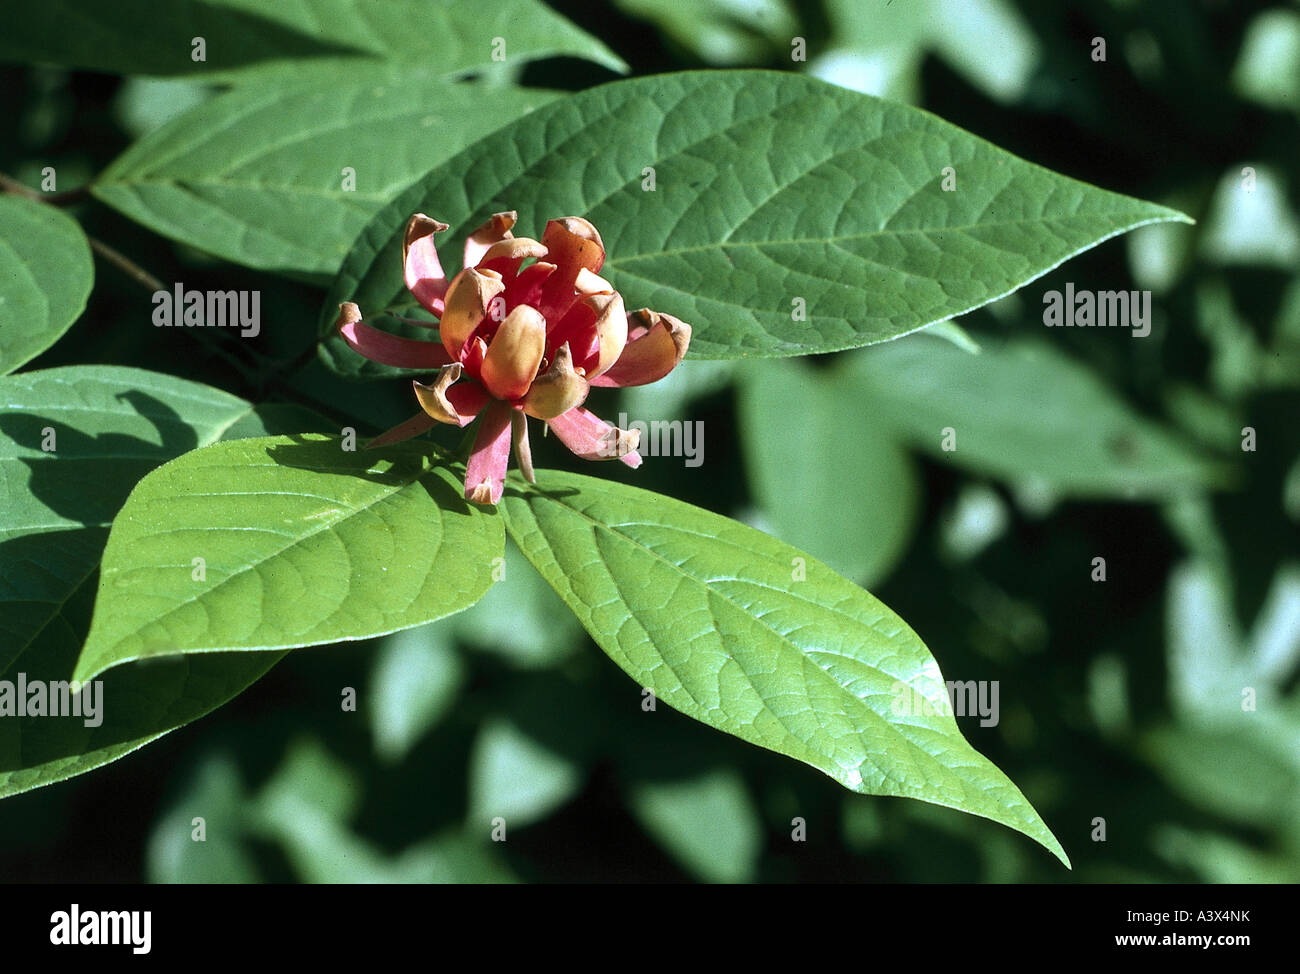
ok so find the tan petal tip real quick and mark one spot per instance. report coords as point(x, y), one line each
point(421, 225)
point(557, 390)
point(589, 283)
point(482, 494)
point(349, 314)
point(678, 330)
point(433, 398)
point(514, 248)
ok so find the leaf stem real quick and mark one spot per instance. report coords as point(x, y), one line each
point(64, 198)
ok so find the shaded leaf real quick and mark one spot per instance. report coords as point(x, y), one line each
point(260, 175)
point(107, 427)
point(248, 38)
point(45, 278)
point(829, 479)
point(1023, 411)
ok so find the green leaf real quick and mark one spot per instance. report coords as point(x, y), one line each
point(883, 52)
point(249, 38)
point(721, 32)
point(515, 777)
point(45, 278)
point(708, 824)
point(305, 807)
point(301, 543)
point(748, 635)
point(827, 478)
point(105, 428)
point(214, 791)
point(259, 175)
point(416, 679)
point(1021, 411)
point(520, 621)
point(771, 189)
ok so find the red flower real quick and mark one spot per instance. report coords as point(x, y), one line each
point(520, 341)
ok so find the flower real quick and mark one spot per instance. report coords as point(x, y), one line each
point(520, 341)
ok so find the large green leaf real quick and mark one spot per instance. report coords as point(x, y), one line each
point(301, 542)
point(45, 277)
point(1020, 410)
point(750, 636)
point(257, 175)
point(771, 189)
point(323, 37)
point(106, 427)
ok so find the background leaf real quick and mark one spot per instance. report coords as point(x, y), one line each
point(110, 426)
point(45, 278)
point(708, 613)
point(256, 175)
point(131, 38)
point(515, 777)
point(709, 824)
point(853, 506)
point(1023, 411)
point(302, 543)
point(770, 189)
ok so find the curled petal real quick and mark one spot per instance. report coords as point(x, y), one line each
point(611, 330)
point(589, 283)
point(424, 274)
point(591, 438)
point(386, 349)
point(496, 228)
point(572, 245)
point(656, 344)
point(447, 403)
point(414, 426)
point(485, 474)
point(557, 390)
point(514, 354)
point(468, 297)
point(505, 256)
point(523, 453)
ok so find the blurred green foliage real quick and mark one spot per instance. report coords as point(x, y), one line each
point(1121, 700)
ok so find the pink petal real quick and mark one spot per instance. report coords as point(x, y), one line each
point(424, 275)
point(577, 329)
point(485, 475)
point(386, 349)
point(651, 352)
point(590, 437)
point(527, 287)
point(469, 398)
point(495, 229)
point(414, 426)
point(573, 245)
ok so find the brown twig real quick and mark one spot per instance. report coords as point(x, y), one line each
point(126, 265)
point(11, 185)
